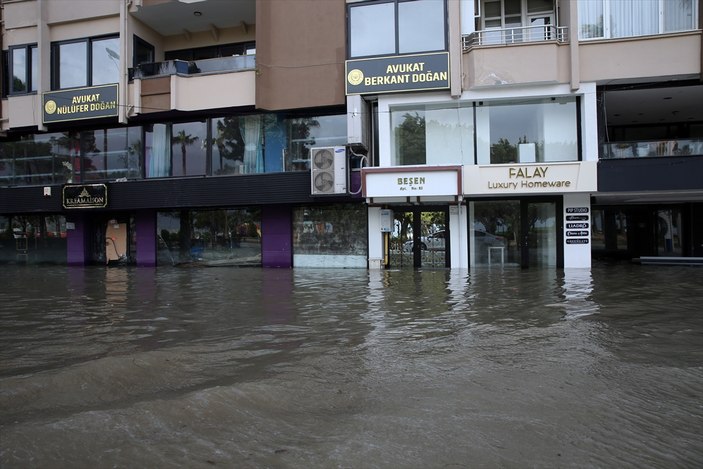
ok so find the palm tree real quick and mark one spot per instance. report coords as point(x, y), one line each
point(184, 140)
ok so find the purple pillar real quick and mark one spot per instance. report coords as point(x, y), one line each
point(145, 221)
point(76, 244)
point(276, 230)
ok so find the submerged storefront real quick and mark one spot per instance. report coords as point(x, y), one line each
point(534, 215)
point(231, 187)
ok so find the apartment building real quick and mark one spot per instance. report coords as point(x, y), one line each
point(530, 132)
point(351, 133)
point(176, 131)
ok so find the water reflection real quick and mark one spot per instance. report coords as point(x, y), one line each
point(317, 368)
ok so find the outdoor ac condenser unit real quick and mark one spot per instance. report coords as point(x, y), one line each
point(328, 170)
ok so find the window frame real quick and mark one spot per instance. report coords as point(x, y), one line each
point(31, 52)
point(56, 60)
point(396, 24)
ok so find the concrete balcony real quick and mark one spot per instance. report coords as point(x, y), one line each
point(671, 55)
point(177, 85)
point(515, 56)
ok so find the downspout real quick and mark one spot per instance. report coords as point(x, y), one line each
point(455, 55)
point(44, 61)
point(124, 68)
point(574, 45)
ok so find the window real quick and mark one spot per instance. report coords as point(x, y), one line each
point(176, 149)
point(211, 52)
point(436, 134)
point(86, 62)
point(627, 18)
point(397, 27)
point(143, 52)
point(528, 131)
point(24, 69)
point(330, 236)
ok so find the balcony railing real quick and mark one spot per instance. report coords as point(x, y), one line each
point(182, 67)
point(660, 148)
point(519, 35)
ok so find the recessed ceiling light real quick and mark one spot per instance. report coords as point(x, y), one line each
point(667, 97)
point(198, 13)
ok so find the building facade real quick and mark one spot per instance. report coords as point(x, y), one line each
point(344, 133)
point(530, 132)
point(167, 132)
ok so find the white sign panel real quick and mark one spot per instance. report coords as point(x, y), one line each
point(412, 183)
point(535, 178)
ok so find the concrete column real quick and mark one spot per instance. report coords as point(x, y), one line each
point(277, 236)
point(145, 221)
point(375, 239)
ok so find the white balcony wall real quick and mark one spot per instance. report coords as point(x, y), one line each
point(213, 91)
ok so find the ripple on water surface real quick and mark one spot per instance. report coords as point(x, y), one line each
point(318, 368)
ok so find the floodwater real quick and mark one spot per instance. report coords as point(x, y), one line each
point(250, 368)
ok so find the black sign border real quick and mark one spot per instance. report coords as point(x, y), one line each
point(405, 90)
point(78, 207)
point(51, 94)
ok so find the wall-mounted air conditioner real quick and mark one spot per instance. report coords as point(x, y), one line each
point(328, 170)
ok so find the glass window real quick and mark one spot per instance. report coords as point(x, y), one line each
point(436, 134)
point(210, 237)
point(421, 26)
point(105, 61)
point(320, 232)
point(396, 27)
point(188, 149)
point(88, 62)
point(73, 66)
point(527, 132)
point(227, 146)
point(627, 18)
point(24, 64)
point(305, 133)
point(157, 141)
point(372, 29)
point(111, 153)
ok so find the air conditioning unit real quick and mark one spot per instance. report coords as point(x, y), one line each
point(328, 170)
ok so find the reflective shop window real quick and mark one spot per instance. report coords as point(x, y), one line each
point(209, 237)
point(173, 150)
point(530, 131)
point(432, 134)
point(330, 230)
point(33, 239)
point(396, 27)
point(111, 153)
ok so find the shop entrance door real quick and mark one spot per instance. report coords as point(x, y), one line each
point(524, 233)
point(112, 240)
point(420, 238)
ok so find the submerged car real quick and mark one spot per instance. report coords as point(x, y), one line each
point(435, 241)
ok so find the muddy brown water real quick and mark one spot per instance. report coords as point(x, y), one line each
point(249, 368)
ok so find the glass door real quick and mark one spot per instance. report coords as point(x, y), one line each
point(540, 228)
point(522, 233)
point(420, 239)
point(669, 232)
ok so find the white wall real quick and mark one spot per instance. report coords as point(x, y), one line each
point(577, 255)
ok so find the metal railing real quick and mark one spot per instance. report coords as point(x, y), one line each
point(182, 67)
point(519, 35)
point(659, 148)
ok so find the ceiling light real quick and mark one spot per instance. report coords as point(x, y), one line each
point(198, 13)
